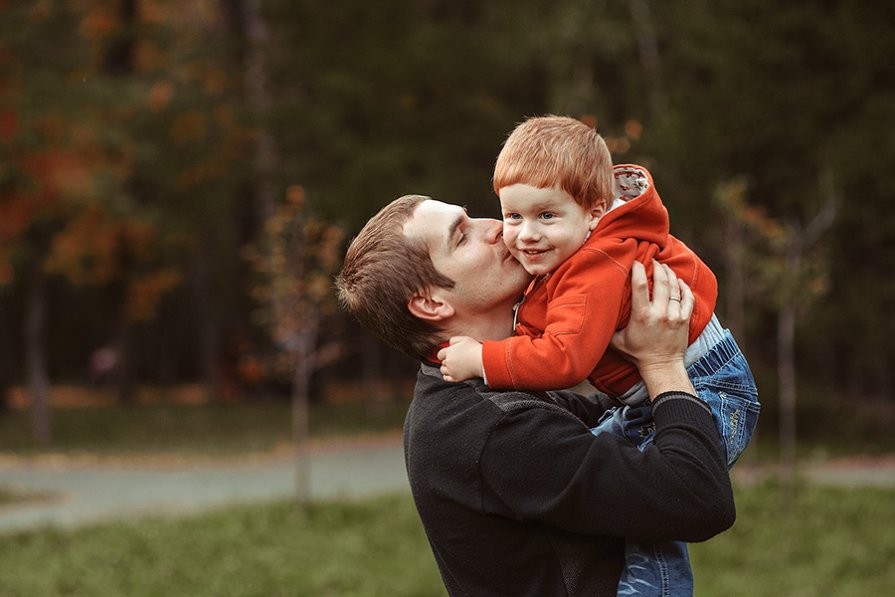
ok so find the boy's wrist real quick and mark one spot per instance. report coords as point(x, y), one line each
point(480, 360)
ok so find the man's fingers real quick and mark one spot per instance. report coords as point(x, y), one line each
point(674, 291)
point(687, 300)
point(672, 308)
point(661, 291)
point(639, 289)
point(671, 297)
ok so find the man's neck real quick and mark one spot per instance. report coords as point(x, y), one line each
point(493, 325)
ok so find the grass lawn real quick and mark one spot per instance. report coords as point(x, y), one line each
point(834, 542)
point(374, 547)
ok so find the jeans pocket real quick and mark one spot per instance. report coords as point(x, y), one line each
point(739, 416)
point(735, 410)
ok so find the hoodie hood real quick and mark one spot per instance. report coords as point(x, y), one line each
point(635, 195)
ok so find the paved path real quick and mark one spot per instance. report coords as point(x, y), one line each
point(855, 472)
point(84, 493)
point(81, 493)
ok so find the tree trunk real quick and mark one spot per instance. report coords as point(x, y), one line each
point(649, 54)
point(259, 102)
point(209, 336)
point(787, 389)
point(305, 349)
point(267, 159)
point(119, 57)
point(735, 293)
point(800, 240)
point(124, 386)
point(372, 372)
point(5, 360)
point(735, 301)
point(786, 328)
point(121, 340)
point(35, 354)
point(166, 354)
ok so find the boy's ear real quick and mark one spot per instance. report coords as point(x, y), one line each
point(429, 307)
point(596, 213)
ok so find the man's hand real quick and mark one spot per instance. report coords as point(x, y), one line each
point(461, 360)
point(656, 336)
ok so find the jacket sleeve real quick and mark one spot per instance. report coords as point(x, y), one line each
point(542, 464)
point(582, 315)
point(589, 408)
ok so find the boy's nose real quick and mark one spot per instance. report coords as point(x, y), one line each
point(529, 232)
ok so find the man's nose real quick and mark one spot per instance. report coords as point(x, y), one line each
point(492, 230)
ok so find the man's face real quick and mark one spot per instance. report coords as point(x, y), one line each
point(472, 253)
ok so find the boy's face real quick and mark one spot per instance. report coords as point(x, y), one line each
point(544, 227)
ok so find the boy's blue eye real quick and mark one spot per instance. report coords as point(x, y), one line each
point(547, 215)
point(512, 217)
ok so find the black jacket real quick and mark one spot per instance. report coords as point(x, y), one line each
point(517, 497)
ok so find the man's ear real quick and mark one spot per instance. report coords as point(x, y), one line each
point(429, 307)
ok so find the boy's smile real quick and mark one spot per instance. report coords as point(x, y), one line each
point(542, 227)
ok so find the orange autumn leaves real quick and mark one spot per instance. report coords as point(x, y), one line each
point(88, 189)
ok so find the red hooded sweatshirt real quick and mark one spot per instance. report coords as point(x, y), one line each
point(568, 317)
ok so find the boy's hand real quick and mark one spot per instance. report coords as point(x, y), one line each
point(461, 360)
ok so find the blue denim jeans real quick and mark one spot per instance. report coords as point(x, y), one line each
point(723, 380)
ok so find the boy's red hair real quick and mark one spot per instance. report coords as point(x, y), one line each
point(546, 151)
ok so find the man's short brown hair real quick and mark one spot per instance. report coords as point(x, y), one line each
point(546, 151)
point(383, 269)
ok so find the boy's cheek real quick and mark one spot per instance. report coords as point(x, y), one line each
point(509, 238)
point(518, 256)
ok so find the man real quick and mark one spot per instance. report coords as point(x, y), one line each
point(517, 496)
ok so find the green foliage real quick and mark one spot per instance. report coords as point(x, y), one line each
point(394, 107)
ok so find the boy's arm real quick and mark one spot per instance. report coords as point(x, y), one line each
point(461, 359)
point(582, 315)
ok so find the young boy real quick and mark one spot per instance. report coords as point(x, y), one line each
point(577, 224)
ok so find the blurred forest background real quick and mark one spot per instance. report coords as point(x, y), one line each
point(178, 179)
